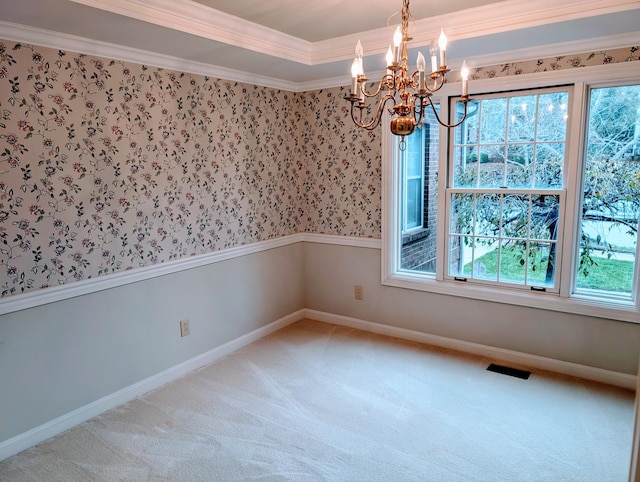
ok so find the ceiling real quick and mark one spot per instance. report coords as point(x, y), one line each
point(300, 45)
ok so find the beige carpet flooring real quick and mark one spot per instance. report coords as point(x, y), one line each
point(317, 402)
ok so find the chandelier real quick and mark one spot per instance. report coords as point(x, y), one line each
point(410, 93)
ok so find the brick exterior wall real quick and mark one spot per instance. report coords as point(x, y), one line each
point(419, 249)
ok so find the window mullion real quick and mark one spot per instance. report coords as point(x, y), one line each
point(573, 180)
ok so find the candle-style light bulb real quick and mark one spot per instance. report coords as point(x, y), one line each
point(359, 50)
point(355, 67)
point(397, 40)
point(355, 70)
point(397, 37)
point(442, 43)
point(464, 74)
point(421, 63)
point(442, 40)
point(433, 51)
point(389, 57)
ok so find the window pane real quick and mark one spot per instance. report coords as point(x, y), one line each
point(493, 125)
point(414, 154)
point(515, 237)
point(544, 217)
point(520, 165)
point(515, 217)
point(461, 217)
point(520, 143)
point(469, 134)
point(414, 203)
point(522, 118)
point(549, 165)
point(552, 117)
point(466, 166)
point(513, 259)
point(492, 166)
point(484, 266)
point(460, 255)
point(487, 215)
point(611, 201)
point(542, 263)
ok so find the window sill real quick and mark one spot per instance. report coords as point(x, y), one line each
point(415, 235)
point(614, 310)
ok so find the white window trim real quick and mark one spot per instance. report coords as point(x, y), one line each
point(391, 274)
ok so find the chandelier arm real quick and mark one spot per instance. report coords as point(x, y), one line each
point(376, 118)
point(438, 81)
point(357, 122)
point(444, 124)
point(383, 83)
point(415, 84)
point(419, 109)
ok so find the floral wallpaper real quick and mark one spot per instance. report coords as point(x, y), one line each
point(107, 166)
point(341, 186)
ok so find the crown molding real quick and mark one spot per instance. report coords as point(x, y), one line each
point(36, 36)
point(46, 38)
point(489, 19)
point(504, 57)
point(555, 50)
point(197, 19)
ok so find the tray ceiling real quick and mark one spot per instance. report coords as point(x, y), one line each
point(298, 45)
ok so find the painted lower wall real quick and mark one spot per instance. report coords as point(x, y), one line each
point(331, 271)
point(59, 357)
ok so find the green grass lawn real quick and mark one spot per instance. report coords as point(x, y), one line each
point(608, 274)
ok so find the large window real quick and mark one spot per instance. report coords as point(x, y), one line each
point(506, 190)
point(611, 194)
point(537, 196)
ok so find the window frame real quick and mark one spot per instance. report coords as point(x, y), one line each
point(560, 191)
point(565, 300)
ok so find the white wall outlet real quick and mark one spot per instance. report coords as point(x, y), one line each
point(185, 329)
point(359, 292)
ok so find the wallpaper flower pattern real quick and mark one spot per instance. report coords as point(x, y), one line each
point(107, 166)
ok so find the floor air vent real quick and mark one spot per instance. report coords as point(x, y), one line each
point(512, 372)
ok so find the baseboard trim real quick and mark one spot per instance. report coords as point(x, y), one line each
point(69, 420)
point(498, 354)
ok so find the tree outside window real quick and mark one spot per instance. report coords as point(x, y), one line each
point(538, 192)
point(611, 192)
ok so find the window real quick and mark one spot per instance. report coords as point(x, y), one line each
point(610, 194)
point(419, 165)
point(413, 160)
point(505, 192)
point(535, 200)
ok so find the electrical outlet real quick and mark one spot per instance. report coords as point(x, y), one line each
point(359, 292)
point(185, 329)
